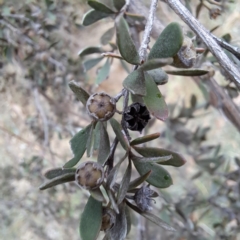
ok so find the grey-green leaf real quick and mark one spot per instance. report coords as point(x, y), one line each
point(107, 36)
point(90, 63)
point(78, 145)
point(156, 63)
point(159, 159)
point(91, 220)
point(125, 183)
point(79, 92)
point(135, 82)
point(187, 72)
point(93, 16)
point(98, 195)
point(89, 50)
point(125, 43)
point(145, 139)
point(118, 4)
point(177, 160)
point(56, 172)
point(158, 221)
point(104, 144)
point(103, 72)
point(136, 182)
point(68, 177)
point(98, 6)
point(159, 76)
point(168, 43)
point(90, 141)
point(159, 177)
point(117, 129)
point(154, 100)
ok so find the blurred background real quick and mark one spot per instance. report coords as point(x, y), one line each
point(39, 45)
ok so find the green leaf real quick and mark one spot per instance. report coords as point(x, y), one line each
point(90, 141)
point(104, 145)
point(112, 200)
point(103, 72)
point(145, 139)
point(159, 76)
point(56, 172)
point(98, 195)
point(135, 83)
point(187, 72)
point(91, 220)
point(156, 63)
point(118, 4)
point(177, 160)
point(118, 131)
point(159, 177)
point(129, 220)
point(158, 160)
point(93, 16)
point(97, 136)
point(111, 179)
point(90, 63)
point(79, 92)
point(158, 221)
point(68, 177)
point(138, 181)
point(78, 145)
point(107, 36)
point(154, 100)
point(100, 7)
point(136, 98)
point(193, 101)
point(125, 43)
point(125, 183)
point(89, 50)
point(168, 43)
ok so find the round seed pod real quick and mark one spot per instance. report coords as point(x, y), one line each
point(108, 219)
point(89, 175)
point(101, 106)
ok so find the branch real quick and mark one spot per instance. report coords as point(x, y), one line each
point(232, 72)
point(147, 31)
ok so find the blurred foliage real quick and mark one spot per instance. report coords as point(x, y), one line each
point(36, 37)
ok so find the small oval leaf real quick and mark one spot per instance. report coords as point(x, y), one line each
point(98, 195)
point(187, 72)
point(177, 160)
point(136, 182)
point(100, 7)
point(68, 177)
point(154, 100)
point(90, 63)
point(125, 43)
point(91, 220)
point(159, 177)
point(156, 63)
point(104, 145)
point(89, 50)
point(103, 73)
point(79, 92)
point(145, 139)
point(168, 43)
point(93, 16)
point(56, 172)
point(117, 129)
point(118, 4)
point(159, 76)
point(78, 145)
point(125, 183)
point(135, 83)
point(107, 36)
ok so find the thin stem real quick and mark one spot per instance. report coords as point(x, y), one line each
point(232, 72)
point(147, 31)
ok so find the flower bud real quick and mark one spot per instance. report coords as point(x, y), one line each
point(101, 106)
point(89, 175)
point(108, 219)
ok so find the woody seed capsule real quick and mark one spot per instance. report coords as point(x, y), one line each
point(101, 106)
point(108, 219)
point(89, 175)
